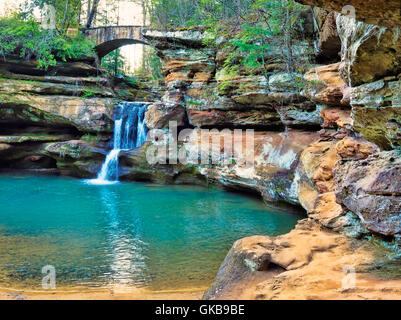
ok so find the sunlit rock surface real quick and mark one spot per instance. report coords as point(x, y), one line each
point(309, 263)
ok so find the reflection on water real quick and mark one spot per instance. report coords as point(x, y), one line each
point(124, 234)
point(127, 250)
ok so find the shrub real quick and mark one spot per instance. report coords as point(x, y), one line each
point(30, 41)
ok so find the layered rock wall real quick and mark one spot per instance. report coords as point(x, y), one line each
point(58, 121)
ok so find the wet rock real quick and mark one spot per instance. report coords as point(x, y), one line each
point(76, 157)
point(135, 166)
point(371, 189)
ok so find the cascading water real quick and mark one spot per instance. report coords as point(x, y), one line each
point(129, 133)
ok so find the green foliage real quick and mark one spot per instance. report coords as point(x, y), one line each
point(194, 103)
point(30, 41)
point(90, 138)
point(114, 63)
point(132, 81)
point(152, 66)
point(270, 19)
point(246, 26)
point(67, 12)
point(193, 13)
point(88, 94)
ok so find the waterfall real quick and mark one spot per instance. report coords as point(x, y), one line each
point(129, 133)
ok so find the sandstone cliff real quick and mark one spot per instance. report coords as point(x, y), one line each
point(330, 145)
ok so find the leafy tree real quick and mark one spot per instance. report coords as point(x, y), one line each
point(114, 62)
point(67, 12)
point(269, 19)
point(30, 41)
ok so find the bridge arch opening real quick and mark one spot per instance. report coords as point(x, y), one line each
point(107, 47)
point(110, 38)
point(135, 60)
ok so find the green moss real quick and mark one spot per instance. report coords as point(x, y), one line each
point(225, 87)
point(194, 103)
point(90, 138)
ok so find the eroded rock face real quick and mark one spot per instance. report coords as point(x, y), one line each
point(266, 165)
point(196, 80)
point(86, 115)
point(234, 118)
point(376, 111)
point(382, 13)
point(371, 189)
point(369, 52)
point(355, 149)
point(329, 44)
point(55, 101)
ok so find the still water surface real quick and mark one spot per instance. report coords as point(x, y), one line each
point(159, 237)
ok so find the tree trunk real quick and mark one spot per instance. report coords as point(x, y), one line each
point(92, 14)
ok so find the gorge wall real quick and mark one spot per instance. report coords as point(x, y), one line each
point(317, 132)
point(327, 138)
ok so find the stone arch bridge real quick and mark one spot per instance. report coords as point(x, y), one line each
point(110, 38)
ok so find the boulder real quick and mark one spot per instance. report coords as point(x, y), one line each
point(324, 85)
point(371, 189)
point(159, 115)
point(306, 263)
point(76, 157)
point(355, 148)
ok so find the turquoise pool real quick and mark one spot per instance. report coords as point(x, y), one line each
point(159, 237)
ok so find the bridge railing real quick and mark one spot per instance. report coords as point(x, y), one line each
point(104, 27)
